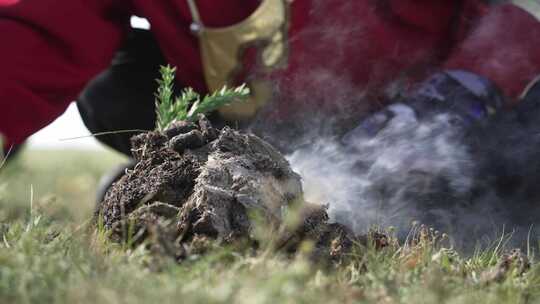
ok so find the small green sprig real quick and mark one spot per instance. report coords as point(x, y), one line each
point(189, 104)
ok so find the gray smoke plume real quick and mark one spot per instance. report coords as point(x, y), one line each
point(473, 182)
point(437, 171)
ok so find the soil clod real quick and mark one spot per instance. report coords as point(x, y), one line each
point(193, 182)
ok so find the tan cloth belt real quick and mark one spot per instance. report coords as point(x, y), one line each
point(222, 51)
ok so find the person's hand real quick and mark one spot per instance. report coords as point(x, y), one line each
point(470, 96)
point(462, 96)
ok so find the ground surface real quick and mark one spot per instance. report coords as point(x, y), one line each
point(49, 255)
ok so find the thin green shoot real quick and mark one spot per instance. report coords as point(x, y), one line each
point(189, 104)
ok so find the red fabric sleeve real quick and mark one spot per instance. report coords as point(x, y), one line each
point(502, 45)
point(426, 15)
point(50, 50)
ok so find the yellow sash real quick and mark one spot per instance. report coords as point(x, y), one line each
point(222, 50)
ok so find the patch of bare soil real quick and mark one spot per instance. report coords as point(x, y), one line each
point(194, 185)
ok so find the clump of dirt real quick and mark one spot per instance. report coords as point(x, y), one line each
point(194, 186)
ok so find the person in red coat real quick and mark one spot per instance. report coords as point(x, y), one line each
point(347, 58)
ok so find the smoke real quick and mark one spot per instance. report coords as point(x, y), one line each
point(438, 171)
point(387, 179)
point(472, 181)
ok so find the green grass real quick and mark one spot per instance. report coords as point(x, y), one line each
point(63, 184)
point(49, 254)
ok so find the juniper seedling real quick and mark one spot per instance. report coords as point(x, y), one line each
point(189, 104)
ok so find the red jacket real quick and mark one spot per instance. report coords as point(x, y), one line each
point(52, 48)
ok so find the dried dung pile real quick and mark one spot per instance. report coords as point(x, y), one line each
point(194, 184)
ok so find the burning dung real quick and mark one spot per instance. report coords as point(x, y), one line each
point(194, 183)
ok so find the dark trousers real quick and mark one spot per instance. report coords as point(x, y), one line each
point(122, 97)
